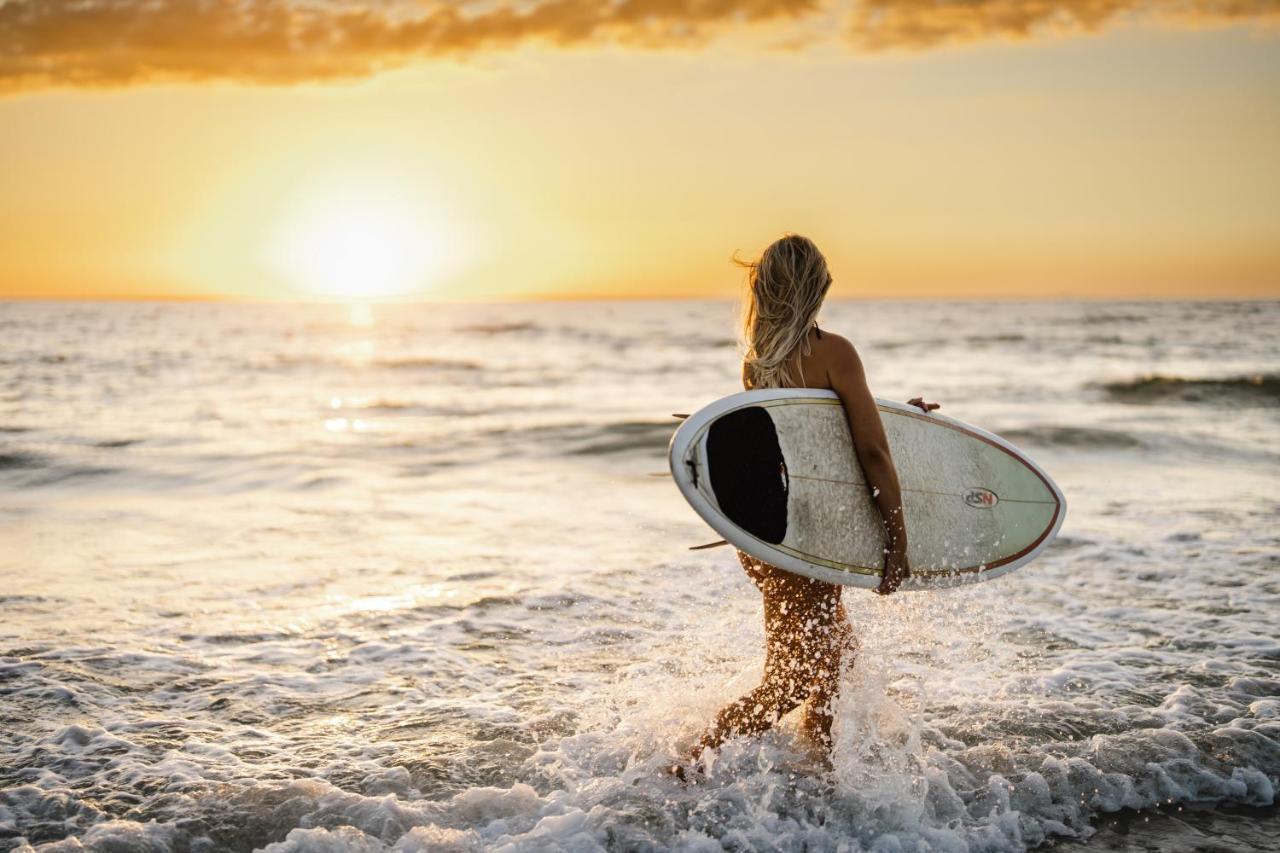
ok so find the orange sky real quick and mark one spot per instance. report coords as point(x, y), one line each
point(954, 149)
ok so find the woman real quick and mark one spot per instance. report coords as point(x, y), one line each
point(806, 633)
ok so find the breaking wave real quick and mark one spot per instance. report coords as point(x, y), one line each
point(1262, 389)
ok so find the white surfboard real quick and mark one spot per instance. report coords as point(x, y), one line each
point(774, 472)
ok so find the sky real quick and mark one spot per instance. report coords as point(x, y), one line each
point(418, 149)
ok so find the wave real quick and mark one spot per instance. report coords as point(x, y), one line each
point(597, 335)
point(10, 461)
point(1097, 439)
point(1099, 317)
point(907, 343)
point(605, 337)
point(425, 363)
point(41, 476)
point(48, 358)
point(627, 436)
point(1262, 389)
point(391, 408)
point(22, 469)
point(1092, 438)
point(1121, 317)
point(500, 328)
point(390, 363)
point(591, 439)
point(996, 339)
point(113, 443)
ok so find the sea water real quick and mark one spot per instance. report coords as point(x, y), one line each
point(412, 578)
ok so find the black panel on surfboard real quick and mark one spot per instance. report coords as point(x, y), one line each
point(748, 473)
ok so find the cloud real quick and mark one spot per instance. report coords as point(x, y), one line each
point(881, 24)
point(54, 43)
point(115, 42)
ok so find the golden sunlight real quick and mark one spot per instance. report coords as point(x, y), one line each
point(359, 241)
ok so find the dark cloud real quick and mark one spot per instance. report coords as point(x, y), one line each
point(46, 43)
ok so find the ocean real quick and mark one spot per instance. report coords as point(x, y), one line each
point(412, 578)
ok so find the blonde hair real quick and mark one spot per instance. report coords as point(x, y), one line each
point(785, 289)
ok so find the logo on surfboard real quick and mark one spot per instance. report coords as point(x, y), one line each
point(981, 498)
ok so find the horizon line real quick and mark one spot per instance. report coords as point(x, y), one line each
point(511, 299)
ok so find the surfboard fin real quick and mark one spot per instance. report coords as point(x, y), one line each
point(708, 545)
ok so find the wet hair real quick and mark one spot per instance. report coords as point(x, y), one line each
point(785, 289)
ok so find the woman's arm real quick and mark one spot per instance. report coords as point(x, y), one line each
point(849, 381)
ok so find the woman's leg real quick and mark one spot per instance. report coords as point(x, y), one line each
point(757, 711)
point(804, 625)
point(816, 636)
point(833, 649)
point(777, 693)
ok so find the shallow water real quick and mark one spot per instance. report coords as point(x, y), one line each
point(318, 579)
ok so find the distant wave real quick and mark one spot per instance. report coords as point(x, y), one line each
point(625, 436)
point(389, 363)
point(25, 469)
point(380, 405)
point(923, 343)
point(29, 470)
point(9, 461)
point(499, 328)
point(1097, 317)
point(1070, 436)
point(24, 599)
point(1113, 317)
point(926, 343)
point(1097, 439)
point(395, 407)
point(592, 439)
point(1257, 390)
point(412, 363)
point(996, 339)
point(594, 334)
point(605, 338)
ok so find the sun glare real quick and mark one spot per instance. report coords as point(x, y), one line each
point(359, 242)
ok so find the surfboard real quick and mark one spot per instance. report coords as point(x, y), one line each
point(774, 472)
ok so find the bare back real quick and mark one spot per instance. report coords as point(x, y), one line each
point(814, 369)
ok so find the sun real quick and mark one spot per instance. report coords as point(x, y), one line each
point(359, 241)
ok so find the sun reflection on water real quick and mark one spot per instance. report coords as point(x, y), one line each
point(361, 315)
point(348, 425)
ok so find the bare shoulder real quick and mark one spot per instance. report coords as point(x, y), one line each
point(837, 352)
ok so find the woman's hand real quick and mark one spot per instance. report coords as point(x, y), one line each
point(920, 403)
point(896, 570)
